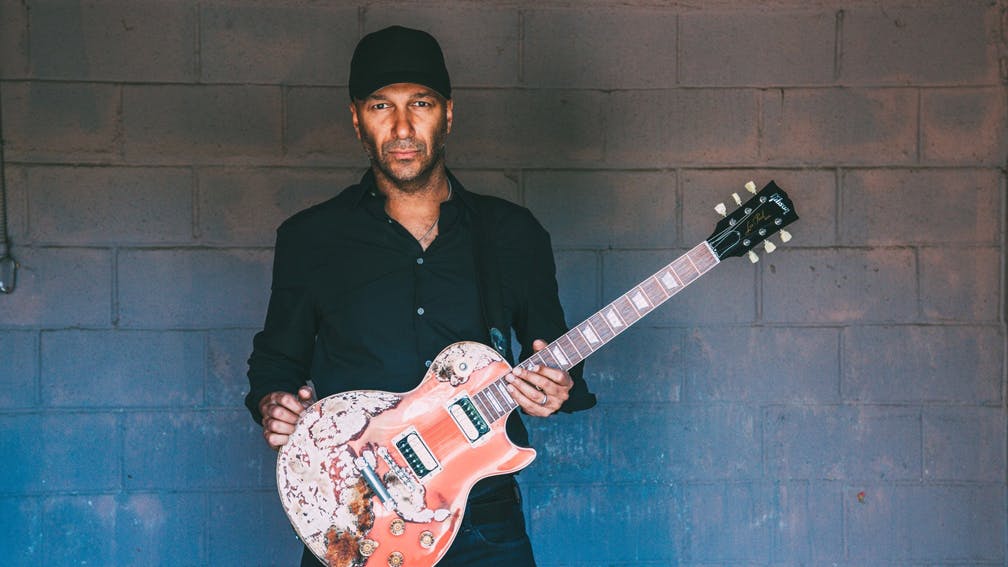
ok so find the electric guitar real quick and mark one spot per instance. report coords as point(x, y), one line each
point(372, 478)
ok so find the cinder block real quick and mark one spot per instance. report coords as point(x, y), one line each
point(122, 368)
point(60, 451)
point(194, 123)
point(578, 279)
point(668, 128)
point(13, 39)
point(258, 534)
point(80, 530)
point(960, 284)
point(267, 43)
point(604, 209)
point(943, 43)
point(113, 41)
point(747, 523)
point(19, 361)
point(763, 365)
point(61, 121)
point(480, 41)
point(244, 207)
point(17, 206)
point(930, 524)
point(21, 533)
point(898, 207)
point(839, 285)
point(209, 288)
point(503, 184)
point(842, 443)
point(628, 521)
point(110, 205)
point(964, 444)
point(226, 364)
point(643, 364)
point(319, 127)
point(809, 527)
point(571, 448)
point(624, 48)
point(59, 287)
point(726, 294)
point(527, 128)
point(839, 126)
point(964, 126)
point(684, 442)
point(916, 364)
point(162, 529)
point(813, 193)
point(756, 47)
point(221, 449)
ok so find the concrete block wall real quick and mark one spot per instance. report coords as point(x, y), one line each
point(842, 402)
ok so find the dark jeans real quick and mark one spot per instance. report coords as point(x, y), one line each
point(492, 532)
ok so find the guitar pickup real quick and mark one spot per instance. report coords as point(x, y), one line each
point(416, 453)
point(468, 419)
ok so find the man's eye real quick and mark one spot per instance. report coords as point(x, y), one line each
point(380, 106)
point(422, 103)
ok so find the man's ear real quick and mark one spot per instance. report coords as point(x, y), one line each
point(353, 114)
point(449, 106)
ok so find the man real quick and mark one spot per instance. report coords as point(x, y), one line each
point(369, 286)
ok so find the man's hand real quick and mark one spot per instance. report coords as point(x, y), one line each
point(280, 411)
point(542, 390)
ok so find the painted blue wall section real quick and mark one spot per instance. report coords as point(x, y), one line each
point(841, 402)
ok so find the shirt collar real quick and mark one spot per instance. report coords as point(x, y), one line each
point(368, 188)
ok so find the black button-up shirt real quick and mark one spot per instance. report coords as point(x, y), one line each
point(356, 303)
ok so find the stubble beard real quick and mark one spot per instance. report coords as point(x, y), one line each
point(413, 177)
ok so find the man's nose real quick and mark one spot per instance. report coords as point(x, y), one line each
point(403, 127)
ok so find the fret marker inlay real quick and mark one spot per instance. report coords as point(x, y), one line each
point(669, 281)
point(614, 319)
point(640, 301)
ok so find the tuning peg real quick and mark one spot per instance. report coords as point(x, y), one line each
point(769, 246)
point(785, 235)
point(753, 257)
point(738, 200)
point(751, 187)
point(721, 209)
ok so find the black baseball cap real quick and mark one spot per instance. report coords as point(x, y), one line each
point(397, 55)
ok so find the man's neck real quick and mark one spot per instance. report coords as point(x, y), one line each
point(425, 193)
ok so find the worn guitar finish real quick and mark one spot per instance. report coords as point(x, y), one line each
point(372, 478)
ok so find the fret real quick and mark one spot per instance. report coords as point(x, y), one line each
point(568, 351)
point(506, 399)
point(640, 300)
point(670, 280)
point(548, 359)
point(685, 270)
point(604, 329)
point(626, 310)
point(492, 398)
point(703, 258)
point(484, 406)
point(588, 332)
point(580, 343)
point(655, 293)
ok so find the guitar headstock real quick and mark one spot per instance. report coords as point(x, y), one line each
point(762, 216)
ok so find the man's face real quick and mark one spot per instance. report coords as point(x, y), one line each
point(403, 129)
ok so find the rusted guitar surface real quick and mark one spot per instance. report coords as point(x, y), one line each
point(371, 478)
point(376, 478)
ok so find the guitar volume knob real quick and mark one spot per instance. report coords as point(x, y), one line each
point(367, 547)
point(395, 559)
point(397, 527)
point(426, 539)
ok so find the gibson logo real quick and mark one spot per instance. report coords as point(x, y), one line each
point(755, 221)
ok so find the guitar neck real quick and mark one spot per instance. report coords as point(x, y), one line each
point(595, 331)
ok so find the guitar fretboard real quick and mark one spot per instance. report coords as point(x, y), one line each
point(594, 332)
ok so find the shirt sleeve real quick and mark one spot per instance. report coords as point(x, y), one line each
point(282, 351)
point(540, 315)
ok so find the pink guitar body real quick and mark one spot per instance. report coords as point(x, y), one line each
point(425, 448)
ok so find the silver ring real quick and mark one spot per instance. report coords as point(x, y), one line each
point(545, 399)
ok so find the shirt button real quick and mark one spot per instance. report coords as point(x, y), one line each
point(419, 311)
point(419, 260)
point(427, 363)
